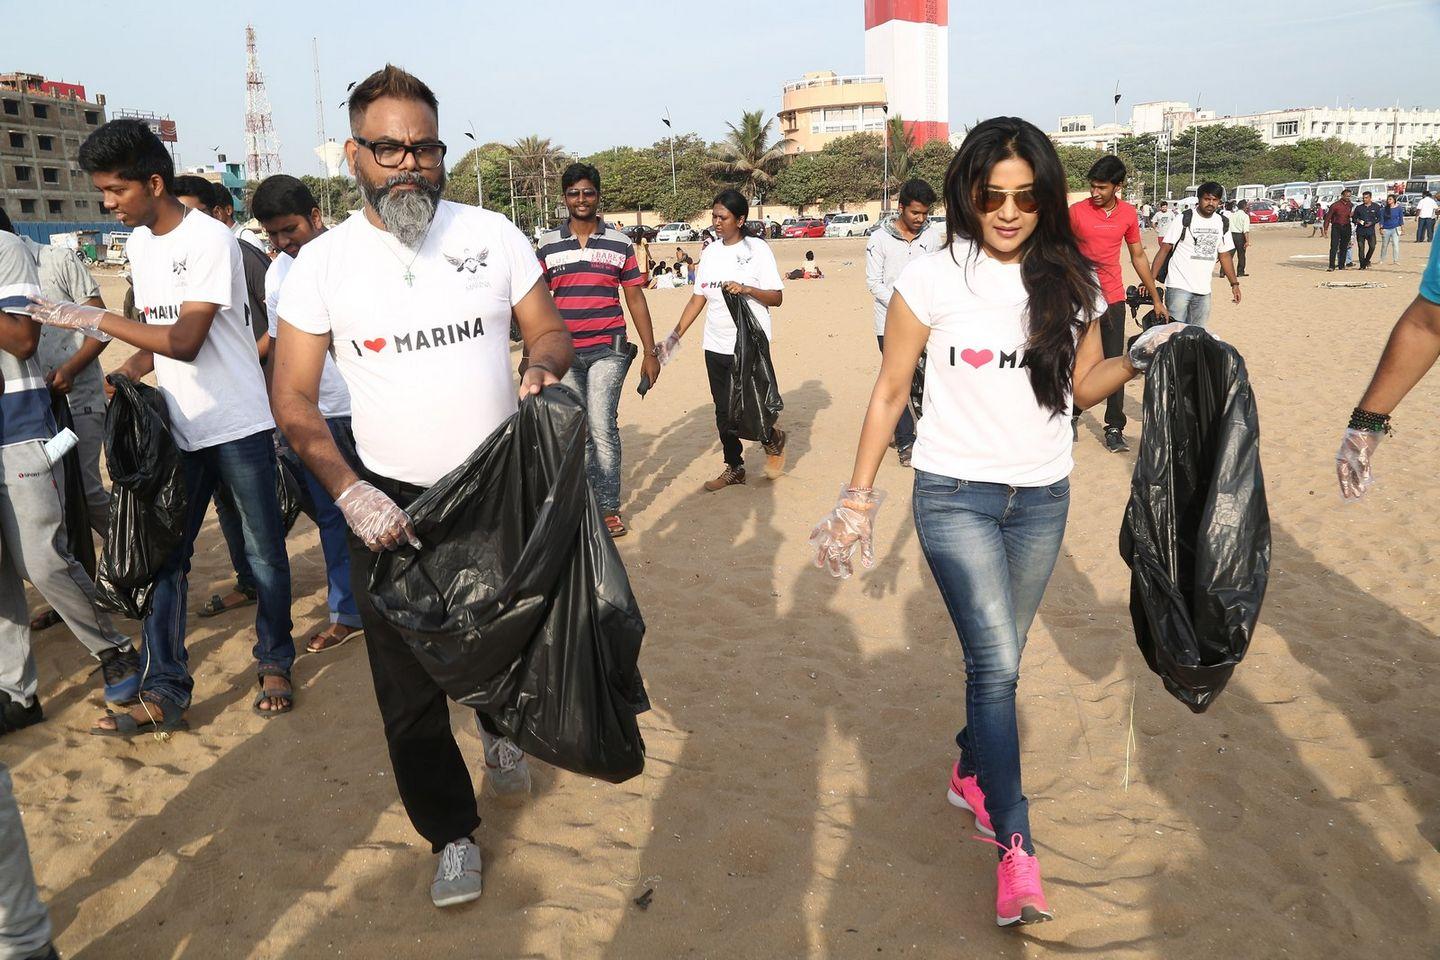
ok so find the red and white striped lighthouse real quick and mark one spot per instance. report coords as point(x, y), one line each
point(907, 43)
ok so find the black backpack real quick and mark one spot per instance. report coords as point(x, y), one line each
point(1185, 219)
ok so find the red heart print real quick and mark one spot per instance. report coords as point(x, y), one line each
point(976, 358)
point(378, 344)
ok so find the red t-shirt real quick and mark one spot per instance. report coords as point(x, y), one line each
point(1100, 238)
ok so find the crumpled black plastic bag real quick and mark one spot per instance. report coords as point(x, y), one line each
point(1197, 529)
point(78, 539)
point(517, 603)
point(755, 402)
point(147, 498)
point(291, 489)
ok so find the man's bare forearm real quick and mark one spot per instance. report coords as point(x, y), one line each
point(552, 351)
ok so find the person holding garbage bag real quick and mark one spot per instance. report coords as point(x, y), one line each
point(1008, 309)
point(743, 267)
point(424, 349)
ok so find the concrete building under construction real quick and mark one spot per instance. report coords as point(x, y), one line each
point(42, 124)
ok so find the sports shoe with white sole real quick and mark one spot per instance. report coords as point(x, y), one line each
point(457, 878)
point(1019, 896)
point(507, 772)
point(965, 793)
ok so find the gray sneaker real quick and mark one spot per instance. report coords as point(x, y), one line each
point(507, 772)
point(457, 879)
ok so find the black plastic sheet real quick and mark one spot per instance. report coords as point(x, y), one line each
point(78, 539)
point(517, 603)
point(755, 402)
point(1196, 533)
point(147, 498)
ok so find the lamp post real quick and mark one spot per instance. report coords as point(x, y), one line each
point(479, 187)
point(674, 190)
point(885, 178)
point(1195, 147)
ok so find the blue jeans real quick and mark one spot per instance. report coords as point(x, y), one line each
point(234, 535)
point(1187, 307)
point(905, 426)
point(597, 374)
point(991, 548)
point(333, 529)
point(247, 468)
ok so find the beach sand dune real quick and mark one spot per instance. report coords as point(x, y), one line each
point(794, 801)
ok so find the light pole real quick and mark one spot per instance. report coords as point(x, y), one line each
point(885, 178)
point(1155, 169)
point(674, 190)
point(1195, 147)
point(479, 187)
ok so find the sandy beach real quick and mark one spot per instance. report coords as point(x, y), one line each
point(799, 749)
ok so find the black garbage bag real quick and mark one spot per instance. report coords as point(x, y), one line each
point(517, 603)
point(78, 539)
point(1196, 534)
point(755, 402)
point(291, 489)
point(147, 497)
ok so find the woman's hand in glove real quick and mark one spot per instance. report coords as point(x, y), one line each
point(1352, 462)
point(851, 523)
point(666, 349)
point(375, 518)
point(1143, 350)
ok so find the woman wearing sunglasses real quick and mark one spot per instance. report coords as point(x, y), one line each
point(1007, 310)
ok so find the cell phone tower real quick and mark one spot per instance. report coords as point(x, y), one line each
point(262, 147)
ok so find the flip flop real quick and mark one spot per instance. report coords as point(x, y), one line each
point(310, 644)
point(262, 694)
point(216, 604)
point(172, 718)
point(616, 526)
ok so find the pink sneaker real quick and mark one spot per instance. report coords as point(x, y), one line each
point(965, 794)
point(1019, 898)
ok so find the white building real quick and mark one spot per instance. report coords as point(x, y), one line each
point(908, 45)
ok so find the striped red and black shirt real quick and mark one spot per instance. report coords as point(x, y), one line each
point(586, 281)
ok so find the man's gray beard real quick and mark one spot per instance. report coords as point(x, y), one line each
point(405, 213)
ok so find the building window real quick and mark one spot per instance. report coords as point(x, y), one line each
point(27, 206)
point(1287, 128)
point(50, 174)
point(82, 203)
point(92, 117)
point(22, 174)
point(12, 107)
point(55, 206)
point(41, 111)
point(46, 143)
point(17, 140)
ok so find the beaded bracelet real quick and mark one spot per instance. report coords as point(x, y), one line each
point(1374, 422)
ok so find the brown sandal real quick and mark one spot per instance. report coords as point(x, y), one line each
point(615, 525)
point(329, 639)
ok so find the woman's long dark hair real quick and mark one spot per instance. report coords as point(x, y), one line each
point(1059, 280)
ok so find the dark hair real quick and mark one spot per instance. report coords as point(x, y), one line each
point(1367, 193)
point(220, 196)
point(916, 191)
point(1244, 204)
point(388, 81)
point(129, 149)
point(579, 171)
point(280, 195)
point(189, 185)
point(809, 254)
point(734, 201)
point(1108, 169)
point(1210, 189)
point(5, 223)
point(1059, 280)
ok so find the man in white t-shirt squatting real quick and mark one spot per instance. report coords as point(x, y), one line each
point(1192, 243)
point(190, 292)
point(414, 300)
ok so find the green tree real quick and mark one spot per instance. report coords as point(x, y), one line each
point(853, 167)
point(1220, 154)
point(1425, 157)
point(537, 163)
point(930, 163)
point(338, 195)
point(748, 158)
point(1329, 159)
point(803, 182)
point(632, 178)
point(902, 152)
point(490, 162)
point(1077, 162)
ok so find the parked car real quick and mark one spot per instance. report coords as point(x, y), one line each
point(789, 222)
point(848, 225)
point(762, 228)
point(676, 233)
point(1263, 211)
point(639, 231)
point(807, 229)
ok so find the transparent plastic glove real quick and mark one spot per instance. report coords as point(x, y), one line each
point(1352, 462)
point(1143, 350)
point(666, 349)
point(850, 524)
point(71, 316)
point(375, 518)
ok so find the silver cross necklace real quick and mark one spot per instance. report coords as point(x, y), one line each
point(409, 276)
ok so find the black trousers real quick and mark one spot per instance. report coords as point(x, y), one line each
point(1339, 244)
point(1242, 240)
point(1112, 340)
point(430, 772)
point(1365, 245)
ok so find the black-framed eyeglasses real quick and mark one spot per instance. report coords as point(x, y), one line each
point(391, 153)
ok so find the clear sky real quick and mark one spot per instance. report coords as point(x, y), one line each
point(593, 74)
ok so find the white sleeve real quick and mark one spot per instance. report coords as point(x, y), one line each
point(1172, 230)
point(767, 271)
point(913, 285)
point(19, 278)
point(1227, 242)
point(875, 269)
point(521, 265)
point(272, 298)
point(302, 302)
point(209, 269)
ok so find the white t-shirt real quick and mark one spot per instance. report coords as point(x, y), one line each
point(749, 262)
point(250, 237)
point(220, 395)
point(1193, 259)
point(982, 421)
point(427, 362)
point(334, 398)
point(1426, 208)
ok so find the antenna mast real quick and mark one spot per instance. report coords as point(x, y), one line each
point(262, 147)
point(320, 131)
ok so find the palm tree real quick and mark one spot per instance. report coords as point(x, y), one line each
point(746, 156)
point(902, 151)
point(537, 162)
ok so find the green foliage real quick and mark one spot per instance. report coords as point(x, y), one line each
point(747, 157)
point(337, 195)
point(803, 182)
point(930, 163)
point(491, 162)
point(902, 152)
point(1077, 162)
point(1426, 157)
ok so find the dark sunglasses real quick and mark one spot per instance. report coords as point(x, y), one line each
point(575, 193)
point(391, 153)
point(991, 200)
